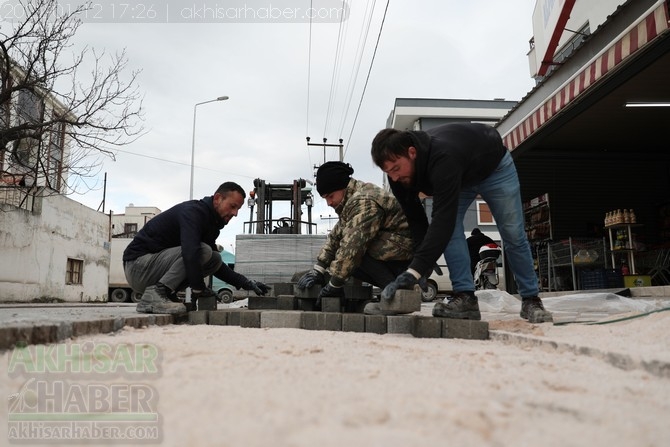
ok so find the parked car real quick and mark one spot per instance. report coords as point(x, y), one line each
point(223, 290)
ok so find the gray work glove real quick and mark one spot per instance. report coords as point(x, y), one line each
point(405, 280)
point(256, 286)
point(329, 291)
point(310, 278)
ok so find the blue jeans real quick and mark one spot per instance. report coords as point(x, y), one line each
point(501, 191)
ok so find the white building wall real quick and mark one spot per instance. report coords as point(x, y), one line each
point(138, 215)
point(35, 247)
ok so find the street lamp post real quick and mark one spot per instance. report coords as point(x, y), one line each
point(195, 108)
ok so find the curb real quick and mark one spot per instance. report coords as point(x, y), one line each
point(622, 361)
point(24, 335)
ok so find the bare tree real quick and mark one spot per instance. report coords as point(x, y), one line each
point(61, 111)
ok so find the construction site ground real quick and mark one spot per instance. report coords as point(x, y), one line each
point(599, 375)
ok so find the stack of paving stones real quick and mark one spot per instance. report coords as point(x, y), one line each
point(290, 307)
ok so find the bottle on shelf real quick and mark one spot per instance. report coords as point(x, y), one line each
point(624, 268)
point(633, 218)
point(626, 216)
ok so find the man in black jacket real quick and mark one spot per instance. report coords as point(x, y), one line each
point(454, 163)
point(177, 249)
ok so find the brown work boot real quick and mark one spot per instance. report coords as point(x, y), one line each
point(533, 310)
point(155, 301)
point(461, 306)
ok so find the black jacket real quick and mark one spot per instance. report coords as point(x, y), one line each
point(448, 157)
point(187, 225)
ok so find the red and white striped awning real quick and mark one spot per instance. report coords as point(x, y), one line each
point(650, 27)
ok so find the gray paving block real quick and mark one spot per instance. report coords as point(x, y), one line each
point(234, 316)
point(331, 304)
point(322, 321)
point(353, 322)
point(426, 327)
point(250, 318)
point(208, 303)
point(404, 301)
point(262, 302)
point(281, 318)
point(287, 302)
point(306, 304)
point(198, 317)
point(399, 324)
point(218, 317)
point(282, 288)
point(468, 329)
point(376, 324)
point(312, 292)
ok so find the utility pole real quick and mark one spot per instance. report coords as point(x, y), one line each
point(324, 145)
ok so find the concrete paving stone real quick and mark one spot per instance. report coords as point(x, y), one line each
point(282, 288)
point(331, 304)
point(287, 302)
point(404, 301)
point(353, 322)
point(208, 303)
point(426, 327)
point(399, 324)
point(468, 329)
point(218, 318)
point(234, 316)
point(262, 302)
point(80, 328)
point(312, 292)
point(140, 321)
point(44, 334)
point(376, 324)
point(15, 336)
point(250, 318)
point(281, 319)
point(306, 304)
point(198, 317)
point(322, 321)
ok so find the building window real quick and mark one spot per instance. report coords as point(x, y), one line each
point(130, 228)
point(55, 156)
point(484, 216)
point(74, 270)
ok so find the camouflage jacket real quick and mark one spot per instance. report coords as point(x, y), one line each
point(370, 221)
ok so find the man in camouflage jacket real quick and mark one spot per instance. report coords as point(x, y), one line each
point(371, 241)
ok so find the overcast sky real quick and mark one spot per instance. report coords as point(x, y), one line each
point(431, 49)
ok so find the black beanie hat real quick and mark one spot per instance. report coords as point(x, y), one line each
point(332, 176)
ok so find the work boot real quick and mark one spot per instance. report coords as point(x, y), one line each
point(533, 310)
point(155, 301)
point(462, 306)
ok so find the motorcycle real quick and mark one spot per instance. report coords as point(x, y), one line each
point(486, 270)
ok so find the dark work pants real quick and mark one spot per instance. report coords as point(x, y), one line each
point(379, 273)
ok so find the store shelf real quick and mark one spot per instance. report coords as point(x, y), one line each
point(562, 262)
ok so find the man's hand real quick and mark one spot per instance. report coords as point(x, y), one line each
point(256, 286)
point(329, 291)
point(405, 280)
point(310, 278)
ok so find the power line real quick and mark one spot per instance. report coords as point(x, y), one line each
point(381, 27)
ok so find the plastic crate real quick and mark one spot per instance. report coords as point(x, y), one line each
point(600, 279)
